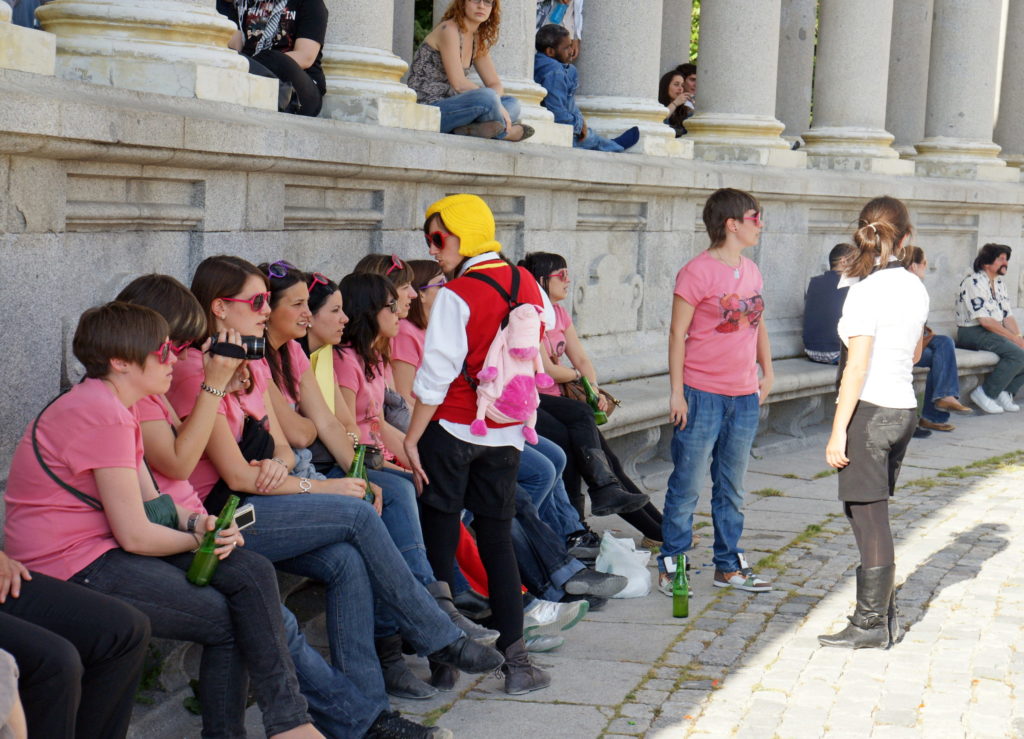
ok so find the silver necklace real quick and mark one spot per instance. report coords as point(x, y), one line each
point(735, 270)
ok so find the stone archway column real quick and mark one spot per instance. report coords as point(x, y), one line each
point(850, 88)
point(739, 55)
point(402, 41)
point(173, 47)
point(25, 49)
point(1009, 132)
point(676, 20)
point(619, 72)
point(796, 66)
point(961, 93)
point(909, 52)
point(363, 75)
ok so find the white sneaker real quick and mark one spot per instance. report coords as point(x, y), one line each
point(1006, 401)
point(548, 617)
point(984, 402)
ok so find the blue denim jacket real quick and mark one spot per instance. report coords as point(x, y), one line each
point(561, 82)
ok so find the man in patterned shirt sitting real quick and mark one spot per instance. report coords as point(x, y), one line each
point(984, 321)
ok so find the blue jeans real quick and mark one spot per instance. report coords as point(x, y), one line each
point(544, 562)
point(595, 142)
point(943, 381)
point(719, 429)
point(476, 106)
point(342, 542)
point(338, 707)
point(237, 619)
point(554, 509)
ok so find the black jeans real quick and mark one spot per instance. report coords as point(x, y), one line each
point(544, 562)
point(308, 95)
point(80, 656)
point(237, 619)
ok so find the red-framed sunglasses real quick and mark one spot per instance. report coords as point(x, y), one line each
point(396, 263)
point(757, 218)
point(165, 350)
point(562, 274)
point(256, 302)
point(436, 239)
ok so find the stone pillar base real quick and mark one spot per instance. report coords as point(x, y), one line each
point(859, 149)
point(750, 139)
point(159, 46)
point(546, 131)
point(611, 115)
point(25, 49)
point(940, 156)
point(363, 86)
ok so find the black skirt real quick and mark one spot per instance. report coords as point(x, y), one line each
point(876, 441)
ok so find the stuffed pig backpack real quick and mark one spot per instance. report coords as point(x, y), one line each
point(507, 385)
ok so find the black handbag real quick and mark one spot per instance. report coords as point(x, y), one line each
point(256, 443)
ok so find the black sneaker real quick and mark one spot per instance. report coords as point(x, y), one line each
point(583, 544)
point(391, 725)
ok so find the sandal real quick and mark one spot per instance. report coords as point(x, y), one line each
point(519, 132)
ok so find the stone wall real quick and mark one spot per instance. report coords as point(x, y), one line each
point(98, 185)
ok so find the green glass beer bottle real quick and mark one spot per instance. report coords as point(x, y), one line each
point(204, 564)
point(680, 590)
point(600, 417)
point(358, 470)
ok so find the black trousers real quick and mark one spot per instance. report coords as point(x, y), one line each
point(80, 656)
point(308, 97)
point(570, 424)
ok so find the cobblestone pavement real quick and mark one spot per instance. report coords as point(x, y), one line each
point(750, 666)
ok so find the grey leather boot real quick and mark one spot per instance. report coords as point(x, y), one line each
point(443, 595)
point(521, 675)
point(869, 624)
point(399, 680)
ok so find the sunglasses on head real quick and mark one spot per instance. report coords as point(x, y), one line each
point(164, 352)
point(317, 278)
point(256, 302)
point(396, 264)
point(280, 269)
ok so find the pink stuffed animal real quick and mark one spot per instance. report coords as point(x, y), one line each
point(511, 374)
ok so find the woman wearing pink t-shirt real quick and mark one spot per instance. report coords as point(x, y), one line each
point(717, 339)
point(100, 535)
point(407, 346)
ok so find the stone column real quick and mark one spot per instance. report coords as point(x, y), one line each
point(1010, 128)
point(796, 66)
point(850, 86)
point(363, 76)
point(676, 19)
point(25, 49)
point(513, 58)
point(739, 55)
point(404, 26)
point(961, 93)
point(619, 75)
point(909, 52)
point(173, 47)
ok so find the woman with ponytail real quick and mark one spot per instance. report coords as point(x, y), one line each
point(876, 412)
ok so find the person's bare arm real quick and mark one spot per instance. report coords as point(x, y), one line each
point(236, 41)
point(854, 375)
point(299, 431)
point(304, 52)
point(328, 428)
point(488, 74)
point(682, 316)
point(1011, 325)
point(404, 374)
point(421, 416)
point(998, 328)
point(764, 358)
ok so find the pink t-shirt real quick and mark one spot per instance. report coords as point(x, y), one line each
point(154, 408)
point(407, 346)
point(721, 346)
point(348, 371)
point(188, 376)
point(299, 364)
point(554, 344)
point(47, 528)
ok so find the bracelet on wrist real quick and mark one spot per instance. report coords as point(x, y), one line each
point(304, 485)
point(212, 390)
point(354, 437)
point(199, 542)
point(190, 525)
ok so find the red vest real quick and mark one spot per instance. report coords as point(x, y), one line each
point(487, 310)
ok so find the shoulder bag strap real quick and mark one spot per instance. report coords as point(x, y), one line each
point(84, 497)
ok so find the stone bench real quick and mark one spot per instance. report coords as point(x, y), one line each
point(801, 401)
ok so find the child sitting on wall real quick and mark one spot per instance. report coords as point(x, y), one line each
point(552, 70)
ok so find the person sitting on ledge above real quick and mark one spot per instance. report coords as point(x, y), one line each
point(985, 321)
point(942, 389)
point(440, 69)
point(823, 306)
point(553, 72)
point(283, 39)
point(676, 91)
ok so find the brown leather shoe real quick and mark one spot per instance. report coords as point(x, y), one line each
point(954, 406)
point(926, 424)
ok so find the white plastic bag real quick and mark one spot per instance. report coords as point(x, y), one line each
point(620, 557)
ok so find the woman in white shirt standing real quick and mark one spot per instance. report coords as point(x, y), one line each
point(876, 412)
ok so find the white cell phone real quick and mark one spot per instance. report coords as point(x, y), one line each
point(245, 516)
